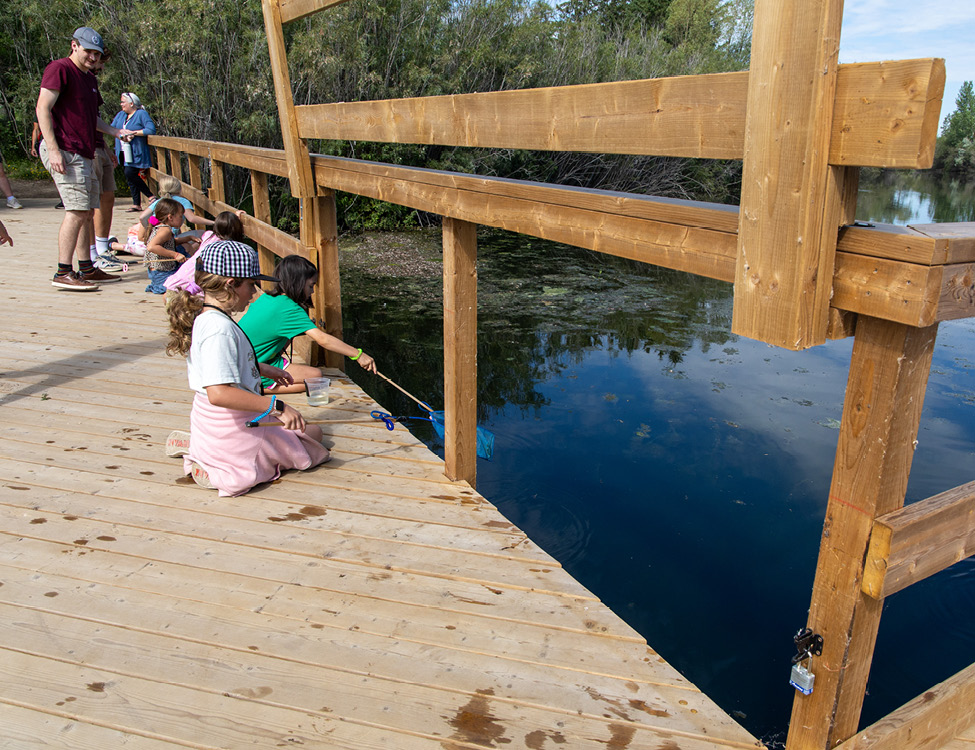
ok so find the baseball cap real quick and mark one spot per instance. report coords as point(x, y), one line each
point(232, 259)
point(88, 38)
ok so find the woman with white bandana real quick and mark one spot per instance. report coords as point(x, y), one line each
point(135, 118)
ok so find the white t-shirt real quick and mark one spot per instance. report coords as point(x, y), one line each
point(220, 354)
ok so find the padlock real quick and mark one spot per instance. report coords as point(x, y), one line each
point(802, 679)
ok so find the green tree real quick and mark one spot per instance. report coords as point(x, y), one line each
point(956, 146)
point(201, 68)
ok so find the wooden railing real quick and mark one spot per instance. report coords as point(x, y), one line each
point(802, 126)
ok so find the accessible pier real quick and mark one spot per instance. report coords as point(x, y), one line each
point(369, 603)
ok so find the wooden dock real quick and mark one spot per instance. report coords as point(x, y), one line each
point(370, 603)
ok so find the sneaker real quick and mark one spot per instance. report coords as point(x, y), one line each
point(201, 477)
point(13, 202)
point(98, 276)
point(177, 444)
point(73, 282)
point(109, 262)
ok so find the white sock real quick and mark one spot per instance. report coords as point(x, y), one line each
point(102, 244)
point(94, 253)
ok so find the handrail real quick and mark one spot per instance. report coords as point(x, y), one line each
point(916, 276)
point(691, 116)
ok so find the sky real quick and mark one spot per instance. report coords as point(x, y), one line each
point(875, 30)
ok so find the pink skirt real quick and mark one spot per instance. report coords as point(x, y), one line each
point(238, 457)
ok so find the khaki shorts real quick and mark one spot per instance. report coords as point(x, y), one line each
point(104, 170)
point(78, 186)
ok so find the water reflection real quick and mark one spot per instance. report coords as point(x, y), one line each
point(678, 471)
point(899, 197)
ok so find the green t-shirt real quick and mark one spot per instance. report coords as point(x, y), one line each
point(270, 323)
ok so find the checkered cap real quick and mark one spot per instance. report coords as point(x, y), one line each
point(234, 260)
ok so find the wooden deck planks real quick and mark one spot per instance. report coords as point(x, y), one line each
point(370, 603)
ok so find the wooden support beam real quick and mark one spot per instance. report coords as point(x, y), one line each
point(304, 347)
point(162, 159)
point(884, 395)
point(262, 213)
point(299, 164)
point(328, 291)
point(882, 117)
point(218, 190)
point(196, 180)
point(790, 196)
point(460, 349)
point(919, 540)
point(928, 722)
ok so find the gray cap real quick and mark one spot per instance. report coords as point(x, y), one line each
point(88, 38)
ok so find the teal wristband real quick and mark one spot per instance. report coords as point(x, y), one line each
point(273, 399)
point(356, 356)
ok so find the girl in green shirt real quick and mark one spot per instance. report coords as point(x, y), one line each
point(275, 318)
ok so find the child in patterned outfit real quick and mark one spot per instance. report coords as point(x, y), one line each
point(164, 253)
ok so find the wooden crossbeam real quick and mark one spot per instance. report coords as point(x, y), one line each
point(909, 293)
point(292, 10)
point(634, 227)
point(920, 540)
point(267, 160)
point(930, 721)
point(299, 167)
point(692, 116)
point(460, 349)
point(913, 275)
point(921, 244)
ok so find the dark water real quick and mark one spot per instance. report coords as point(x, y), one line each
point(676, 470)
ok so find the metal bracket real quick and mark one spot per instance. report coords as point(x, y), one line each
point(808, 644)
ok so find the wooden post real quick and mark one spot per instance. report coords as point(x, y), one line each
point(217, 191)
point(162, 159)
point(296, 149)
point(196, 179)
point(262, 212)
point(884, 395)
point(328, 291)
point(790, 197)
point(460, 349)
point(304, 347)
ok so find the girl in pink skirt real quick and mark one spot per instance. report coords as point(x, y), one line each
point(221, 451)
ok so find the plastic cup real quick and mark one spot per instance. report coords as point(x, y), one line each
point(317, 390)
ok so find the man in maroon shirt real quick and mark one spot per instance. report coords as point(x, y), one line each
point(67, 112)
